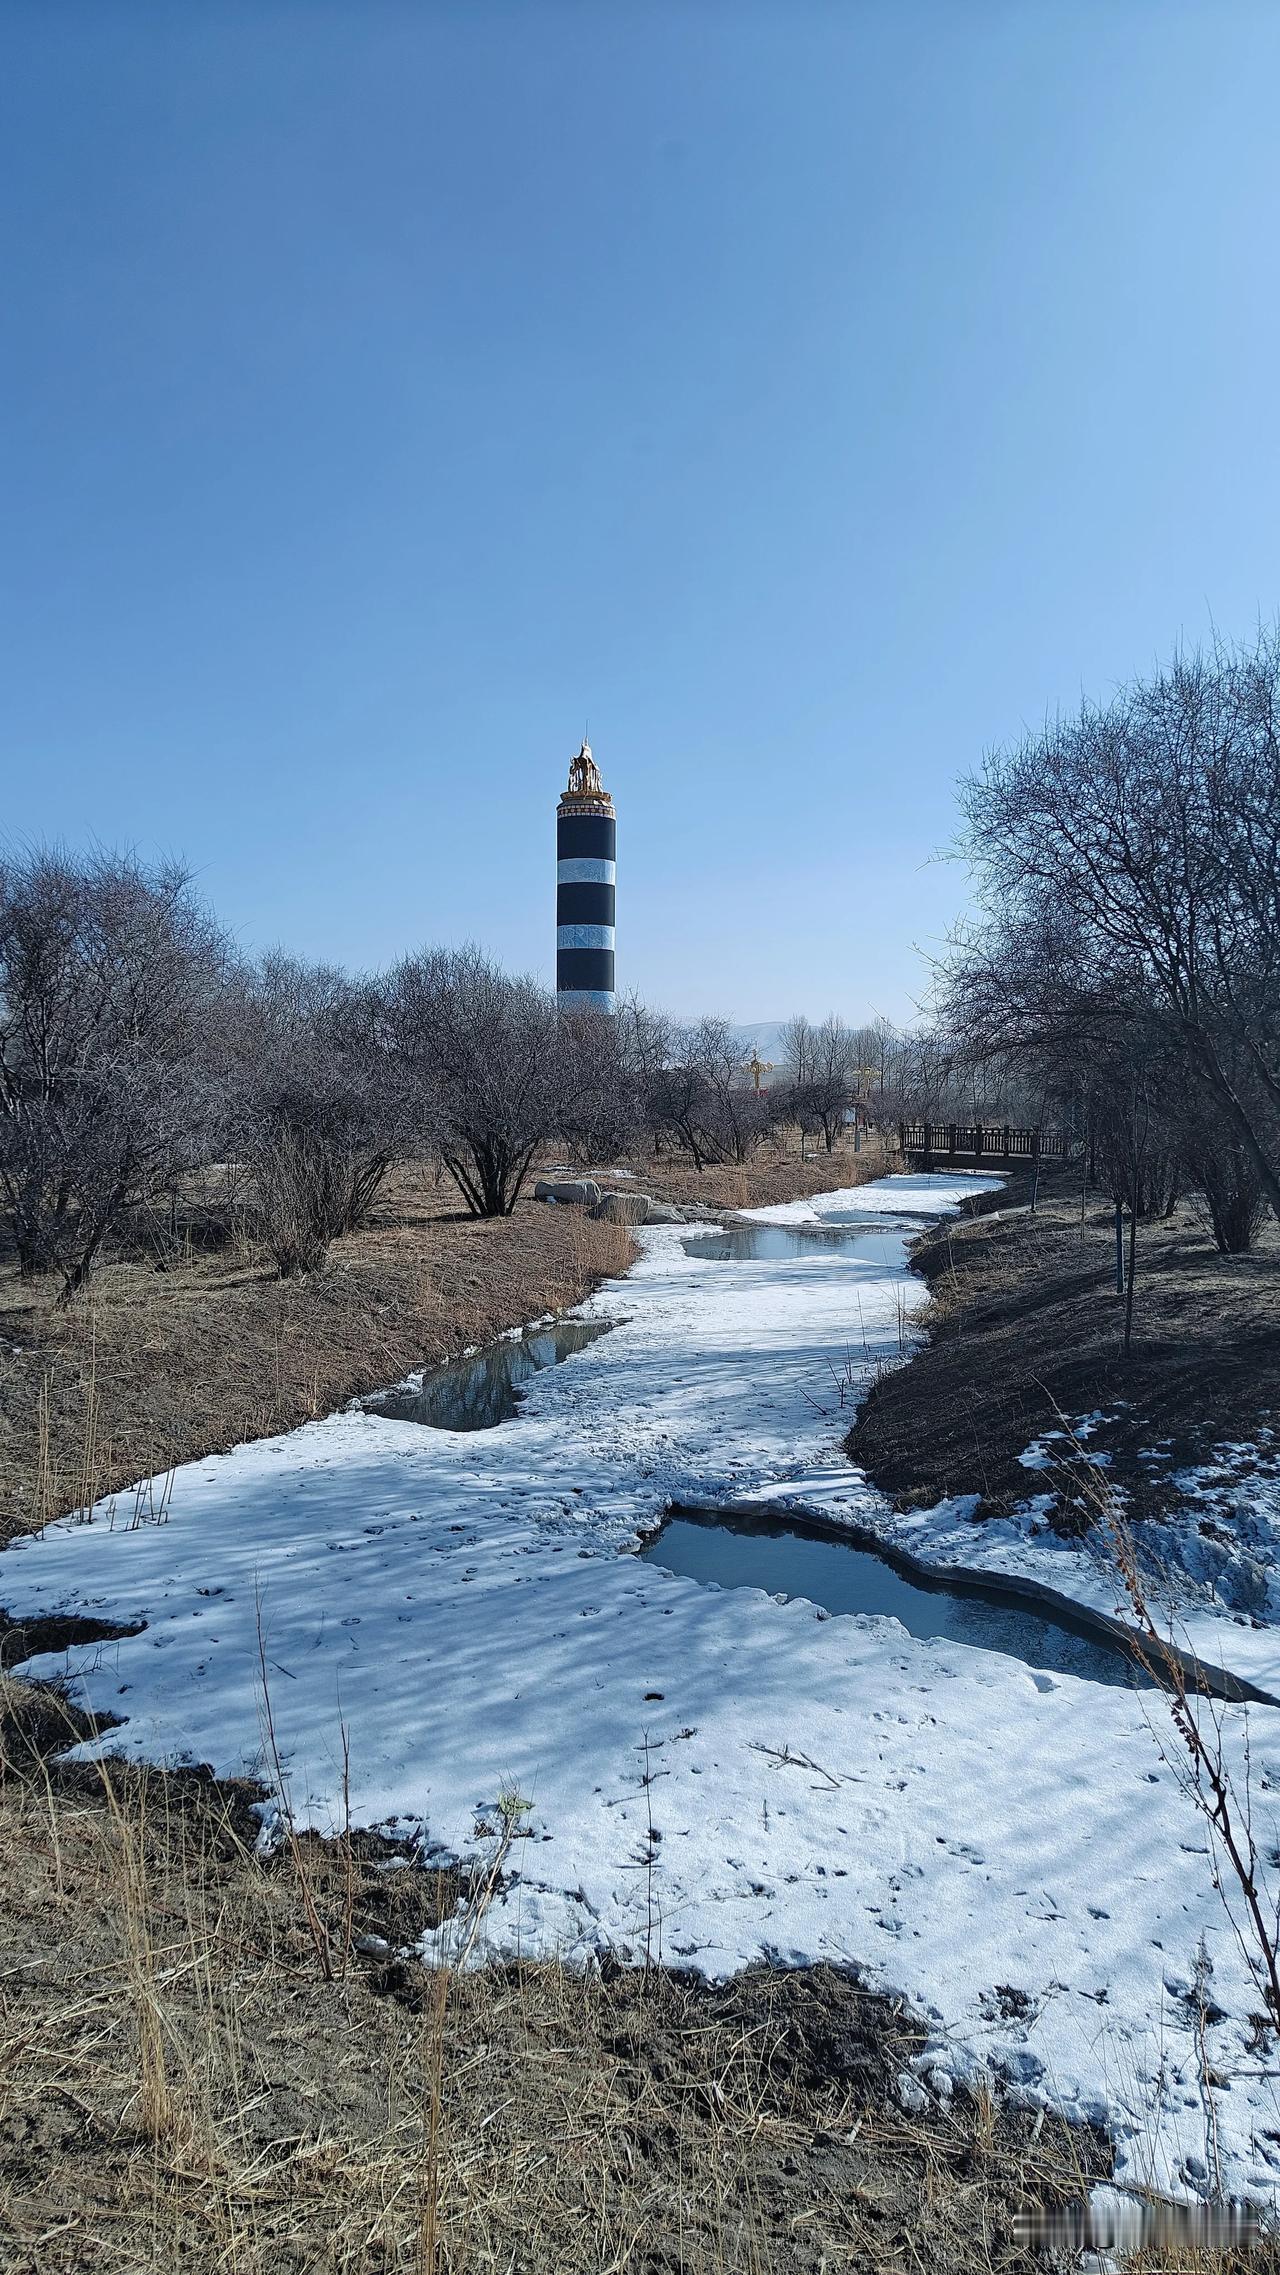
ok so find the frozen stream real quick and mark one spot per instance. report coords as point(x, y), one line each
point(1000, 1841)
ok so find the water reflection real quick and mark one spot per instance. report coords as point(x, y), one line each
point(877, 1238)
point(754, 1552)
point(479, 1392)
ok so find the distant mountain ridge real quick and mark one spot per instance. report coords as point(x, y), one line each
point(765, 1036)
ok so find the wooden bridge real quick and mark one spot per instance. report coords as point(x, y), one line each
point(961, 1143)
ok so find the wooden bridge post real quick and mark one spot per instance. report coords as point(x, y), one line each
point(951, 1141)
point(1005, 1148)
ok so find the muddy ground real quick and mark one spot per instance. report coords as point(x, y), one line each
point(156, 1367)
point(1024, 1321)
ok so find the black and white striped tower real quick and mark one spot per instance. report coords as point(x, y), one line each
point(586, 872)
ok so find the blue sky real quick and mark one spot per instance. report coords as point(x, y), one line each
point(806, 396)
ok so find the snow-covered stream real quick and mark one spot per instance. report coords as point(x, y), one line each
point(1003, 1844)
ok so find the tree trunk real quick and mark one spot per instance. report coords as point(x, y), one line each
point(80, 1271)
point(1221, 1082)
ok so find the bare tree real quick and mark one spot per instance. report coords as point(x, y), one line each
point(602, 1083)
point(328, 1104)
point(874, 1046)
point(1222, 1169)
point(682, 1107)
point(835, 1063)
point(798, 1099)
point(111, 978)
point(645, 1050)
point(797, 1050)
point(1147, 833)
point(489, 1048)
point(709, 1102)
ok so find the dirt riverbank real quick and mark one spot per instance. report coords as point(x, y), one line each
point(1024, 1323)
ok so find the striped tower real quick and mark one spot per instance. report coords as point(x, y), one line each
point(586, 867)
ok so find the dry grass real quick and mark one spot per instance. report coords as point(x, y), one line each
point(181, 2086)
point(775, 1173)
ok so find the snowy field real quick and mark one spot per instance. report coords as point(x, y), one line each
point(1003, 1845)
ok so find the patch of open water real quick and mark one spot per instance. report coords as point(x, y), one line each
point(785, 1558)
point(478, 1392)
point(745, 1242)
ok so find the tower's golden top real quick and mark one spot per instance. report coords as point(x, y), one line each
point(586, 792)
point(584, 774)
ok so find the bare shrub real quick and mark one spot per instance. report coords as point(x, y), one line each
point(703, 1098)
point(487, 1048)
point(112, 981)
point(328, 1101)
point(301, 1196)
point(1222, 1169)
point(602, 1060)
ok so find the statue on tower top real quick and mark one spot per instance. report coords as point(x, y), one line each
point(584, 774)
point(586, 793)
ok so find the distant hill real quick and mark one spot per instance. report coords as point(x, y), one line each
point(765, 1036)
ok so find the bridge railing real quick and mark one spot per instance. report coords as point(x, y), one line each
point(958, 1141)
